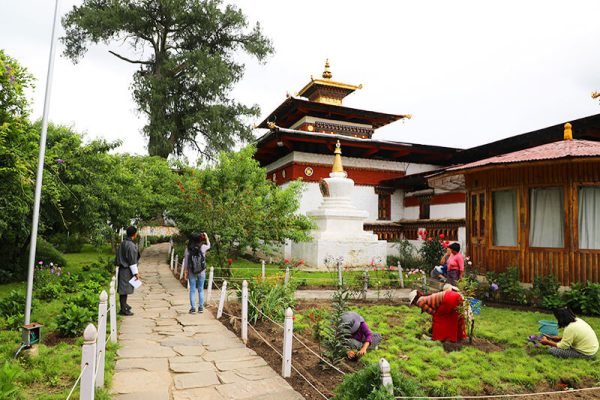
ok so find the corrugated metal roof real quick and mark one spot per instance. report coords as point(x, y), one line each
point(550, 151)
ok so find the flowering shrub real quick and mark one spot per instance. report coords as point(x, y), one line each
point(291, 263)
point(271, 298)
point(432, 249)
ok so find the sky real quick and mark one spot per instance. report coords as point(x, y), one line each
point(469, 72)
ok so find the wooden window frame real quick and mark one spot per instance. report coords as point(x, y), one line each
point(566, 234)
point(491, 219)
point(384, 206)
point(575, 233)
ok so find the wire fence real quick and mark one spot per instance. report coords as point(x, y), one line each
point(501, 396)
point(77, 381)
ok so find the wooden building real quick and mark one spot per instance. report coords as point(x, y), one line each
point(537, 209)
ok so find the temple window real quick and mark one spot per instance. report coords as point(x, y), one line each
point(547, 217)
point(424, 207)
point(384, 207)
point(504, 206)
point(589, 217)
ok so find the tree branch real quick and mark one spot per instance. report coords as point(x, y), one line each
point(128, 60)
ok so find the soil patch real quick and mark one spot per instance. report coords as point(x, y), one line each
point(484, 345)
point(322, 376)
point(53, 338)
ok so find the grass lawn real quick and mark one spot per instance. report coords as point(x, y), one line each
point(49, 374)
point(75, 262)
point(509, 366)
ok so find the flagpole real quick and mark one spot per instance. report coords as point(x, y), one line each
point(40, 169)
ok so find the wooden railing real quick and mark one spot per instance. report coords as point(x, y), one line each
point(409, 229)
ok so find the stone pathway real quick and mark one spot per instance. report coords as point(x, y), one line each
point(167, 354)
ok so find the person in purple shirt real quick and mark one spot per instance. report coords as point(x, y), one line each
point(361, 338)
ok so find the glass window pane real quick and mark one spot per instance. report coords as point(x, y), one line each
point(589, 217)
point(504, 205)
point(546, 218)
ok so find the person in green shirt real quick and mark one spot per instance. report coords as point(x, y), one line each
point(578, 341)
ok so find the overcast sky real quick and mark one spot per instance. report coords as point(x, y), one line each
point(469, 72)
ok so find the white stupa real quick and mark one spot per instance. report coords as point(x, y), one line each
point(339, 226)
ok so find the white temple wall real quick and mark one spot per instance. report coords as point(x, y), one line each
point(440, 211)
point(411, 213)
point(397, 205)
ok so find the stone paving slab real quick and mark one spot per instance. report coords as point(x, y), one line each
point(167, 354)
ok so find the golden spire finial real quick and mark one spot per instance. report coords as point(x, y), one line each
point(568, 132)
point(327, 73)
point(337, 159)
point(595, 95)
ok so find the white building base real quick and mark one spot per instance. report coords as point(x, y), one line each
point(356, 254)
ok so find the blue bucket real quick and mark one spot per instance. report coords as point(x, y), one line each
point(548, 327)
point(475, 305)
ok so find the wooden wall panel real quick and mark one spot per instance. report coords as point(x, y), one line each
point(568, 264)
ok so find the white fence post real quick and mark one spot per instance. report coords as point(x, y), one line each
point(401, 275)
point(288, 332)
point(101, 342)
point(88, 361)
point(113, 313)
point(287, 275)
point(172, 259)
point(365, 283)
point(222, 299)
point(211, 275)
point(263, 270)
point(183, 267)
point(386, 376)
point(340, 279)
point(245, 311)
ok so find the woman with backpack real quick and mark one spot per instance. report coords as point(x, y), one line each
point(195, 271)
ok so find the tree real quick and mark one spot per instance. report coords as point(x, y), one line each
point(188, 53)
point(238, 207)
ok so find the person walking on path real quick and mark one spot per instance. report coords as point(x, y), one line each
point(578, 341)
point(361, 338)
point(456, 264)
point(448, 323)
point(126, 259)
point(195, 269)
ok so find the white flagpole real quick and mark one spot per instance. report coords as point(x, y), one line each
point(40, 170)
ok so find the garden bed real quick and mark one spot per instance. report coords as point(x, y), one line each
point(498, 361)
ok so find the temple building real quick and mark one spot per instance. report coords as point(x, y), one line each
point(300, 142)
point(405, 187)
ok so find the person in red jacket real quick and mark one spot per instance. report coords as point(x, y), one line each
point(448, 322)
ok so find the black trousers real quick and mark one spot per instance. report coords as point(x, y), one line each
point(123, 302)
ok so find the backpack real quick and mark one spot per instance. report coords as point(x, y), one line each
point(197, 260)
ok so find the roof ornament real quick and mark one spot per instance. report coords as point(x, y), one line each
point(337, 159)
point(327, 73)
point(568, 132)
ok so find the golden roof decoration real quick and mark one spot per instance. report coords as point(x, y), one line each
point(327, 73)
point(337, 160)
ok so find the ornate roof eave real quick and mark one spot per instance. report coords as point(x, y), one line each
point(330, 83)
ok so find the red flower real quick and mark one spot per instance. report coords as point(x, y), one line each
point(392, 268)
point(420, 232)
point(430, 239)
point(444, 244)
point(229, 261)
point(447, 243)
point(425, 232)
point(301, 262)
point(293, 317)
point(442, 236)
point(287, 260)
point(374, 268)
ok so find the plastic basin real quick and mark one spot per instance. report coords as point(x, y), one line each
point(548, 327)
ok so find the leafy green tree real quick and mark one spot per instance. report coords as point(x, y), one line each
point(238, 207)
point(188, 52)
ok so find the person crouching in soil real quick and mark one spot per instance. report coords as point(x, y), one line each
point(361, 338)
point(448, 322)
point(578, 341)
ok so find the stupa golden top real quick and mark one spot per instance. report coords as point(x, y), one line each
point(326, 90)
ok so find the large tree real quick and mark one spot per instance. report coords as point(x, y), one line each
point(188, 52)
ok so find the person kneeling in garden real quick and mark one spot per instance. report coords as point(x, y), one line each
point(361, 338)
point(448, 322)
point(578, 341)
